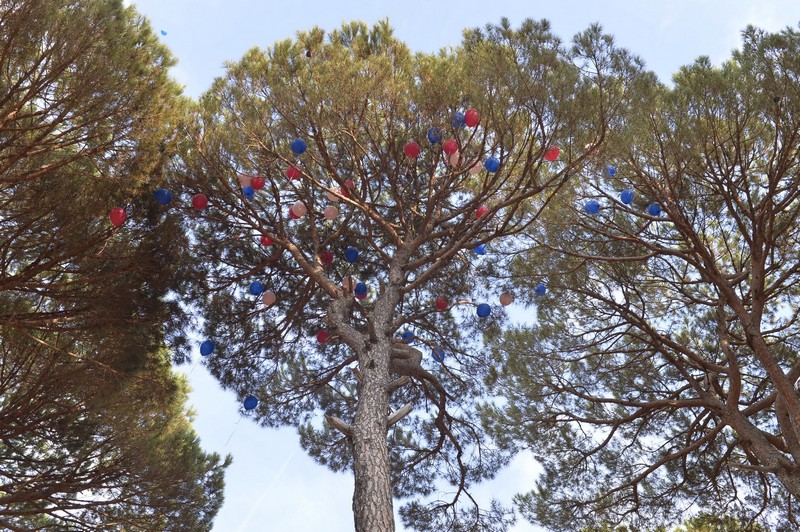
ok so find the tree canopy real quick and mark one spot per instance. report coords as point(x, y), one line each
point(345, 189)
point(94, 432)
point(661, 373)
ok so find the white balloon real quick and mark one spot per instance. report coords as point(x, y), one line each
point(331, 196)
point(506, 299)
point(299, 209)
point(455, 158)
point(245, 180)
point(476, 168)
point(269, 298)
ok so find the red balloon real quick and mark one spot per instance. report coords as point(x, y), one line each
point(322, 336)
point(292, 172)
point(326, 257)
point(441, 303)
point(450, 146)
point(348, 188)
point(412, 150)
point(117, 216)
point(483, 209)
point(200, 202)
point(552, 153)
point(472, 118)
point(265, 241)
point(258, 183)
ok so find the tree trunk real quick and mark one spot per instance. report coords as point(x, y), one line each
point(372, 498)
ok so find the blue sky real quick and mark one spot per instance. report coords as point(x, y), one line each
point(272, 485)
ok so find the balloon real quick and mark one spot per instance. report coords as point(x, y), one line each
point(322, 336)
point(351, 254)
point(476, 168)
point(330, 212)
point(299, 209)
point(411, 150)
point(592, 207)
point(611, 170)
point(325, 257)
point(348, 188)
point(293, 172)
point(269, 298)
point(163, 196)
point(472, 118)
point(540, 289)
point(483, 209)
point(245, 180)
point(331, 196)
point(506, 299)
point(164, 33)
point(250, 402)
point(491, 164)
point(408, 337)
point(441, 303)
point(434, 135)
point(654, 209)
point(360, 290)
point(438, 354)
point(292, 215)
point(450, 146)
point(258, 183)
point(552, 153)
point(248, 192)
point(265, 241)
point(626, 196)
point(480, 249)
point(256, 288)
point(458, 120)
point(200, 202)
point(117, 216)
point(298, 146)
point(348, 283)
point(484, 310)
point(454, 159)
point(206, 348)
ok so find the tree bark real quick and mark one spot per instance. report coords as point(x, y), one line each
point(372, 498)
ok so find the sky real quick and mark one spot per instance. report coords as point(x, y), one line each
point(272, 485)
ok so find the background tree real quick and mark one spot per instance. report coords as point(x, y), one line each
point(92, 422)
point(662, 373)
point(337, 234)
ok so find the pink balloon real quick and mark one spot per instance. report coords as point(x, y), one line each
point(476, 168)
point(299, 209)
point(245, 180)
point(269, 298)
point(330, 212)
point(506, 299)
point(455, 158)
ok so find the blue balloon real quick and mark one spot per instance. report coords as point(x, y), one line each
point(250, 402)
point(484, 310)
point(298, 146)
point(256, 288)
point(434, 135)
point(626, 196)
point(248, 192)
point(408, 337)
point(438, 354)
point(491, 164)
point(163, 32)
point(592, 207)
point(611, 170)
point(654, 209)
point(351, 254)
point(458, 120)
point(480, 249)
point(206, 348)
point(360, 290)
point(163, 196)
point(540, 289)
